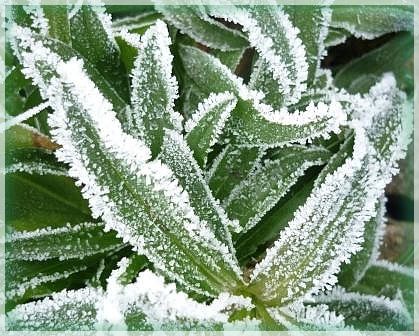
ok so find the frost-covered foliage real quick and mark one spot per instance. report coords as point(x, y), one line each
point(196, 168)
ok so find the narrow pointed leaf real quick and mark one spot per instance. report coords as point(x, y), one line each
point(262, 189)
point(154, 89)
point(140, 200)
point(391, 280)
point(230, 167)
point(272, 34)
point(253, 123)
point(195, 22)
point(150, 304)
point(334, 231)
point(368, 312)
point(352, 272)
point(312, 23)
point(66, 310)
point(359, 75)
point(207, 123)
point(369, 22)
point(67, 242)
point(92, 37)
point(176, 154)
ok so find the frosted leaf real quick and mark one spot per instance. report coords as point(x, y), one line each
point(354, 271)
point(32, 161)
point(250, 200)
point(333, 217)
point(328, 228)
point(154, 89)
point(206, 125)
point(66, 310)
point(149, 304)
point(390, 279)
point(272, 34)
point(298, 316)
point(22, 117)
point(367, 312)
point(369, 22)
point(313, 25)
point(195, 22)
point(256, 124)
point(98, 46)
point(138, 198)
point(230, 167)
point(29, 278)
point(66, 242)
point(177, 155)
point(134, 23)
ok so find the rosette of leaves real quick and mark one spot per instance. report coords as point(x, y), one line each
point(155, 182)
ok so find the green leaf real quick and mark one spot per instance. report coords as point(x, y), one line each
point(195, 22)
point(352, 272)
point(26, 280)
point(396, 56)
point(281, 53)
point(33, 160)
point(330, 234)
point(206, 124)
point(391, 280)
point(66, 310)
point(138, 198)
point(369, 22)
point(91, 36)
point(177, 155)
point(230, 167)
point(41, 201)
point(253, 243)
point(268, 183)
point(58, 23)
point(253, 123)
point(230, 58)
point(335, 37)
point(312, 22)
point(368, 312)
point(154, 89)
point(65, 242)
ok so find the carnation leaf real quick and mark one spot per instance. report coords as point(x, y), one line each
point(276, 40)
point(253, 123)
point(313, 23)
point(206, 125)
point(369, 22)
point(177, 155)
point(98, 45)
point(66, 310)
point(154, 89)
point(268, 183)
point(195, 22)
point(367, 312)
point(389, 279)
point(356, 184)
point(359, 75)
point(58, 23)
point(352, 272)
point(230, 167)
point(134, 196)
point(66, 242)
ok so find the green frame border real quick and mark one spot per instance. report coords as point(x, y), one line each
point(413, 3)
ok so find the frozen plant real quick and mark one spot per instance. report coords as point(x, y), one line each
point(157, 181)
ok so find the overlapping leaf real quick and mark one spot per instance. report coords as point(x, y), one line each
point(347, 197)
point(252, 122)
point(135, 197)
